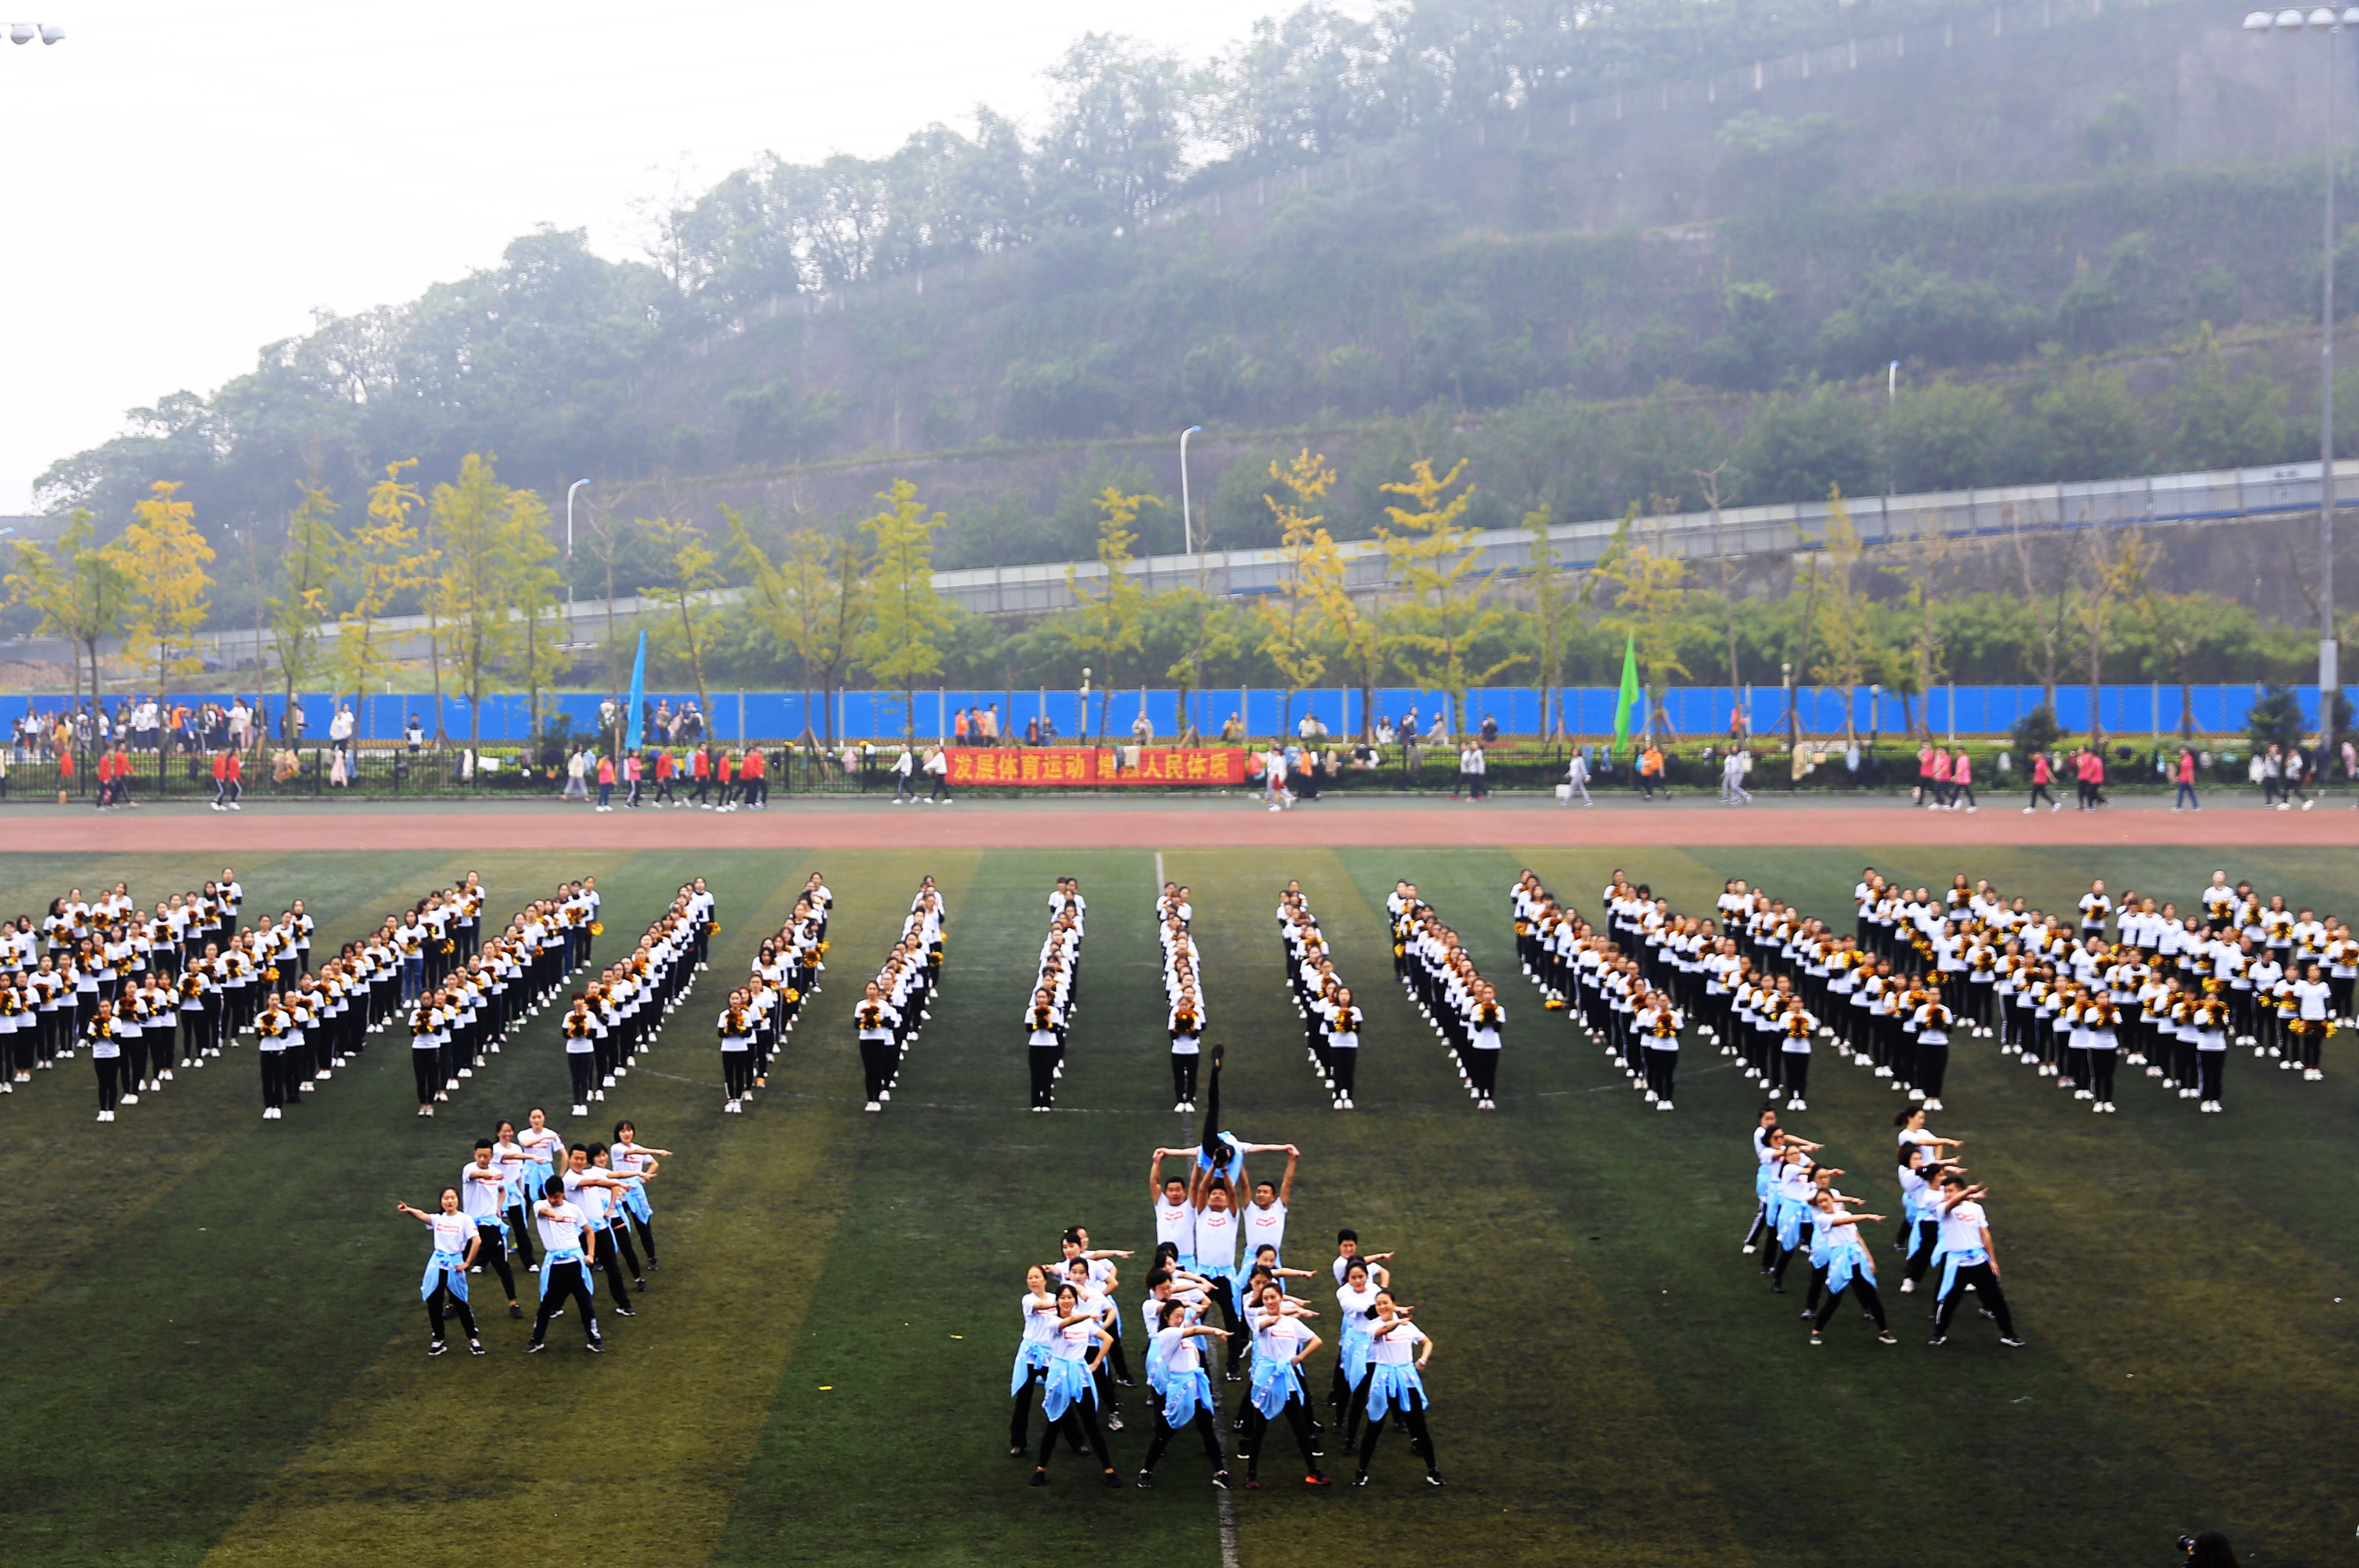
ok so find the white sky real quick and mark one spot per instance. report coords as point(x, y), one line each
point(187, 180)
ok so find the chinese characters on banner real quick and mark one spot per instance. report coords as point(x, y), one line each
point(1103, 766)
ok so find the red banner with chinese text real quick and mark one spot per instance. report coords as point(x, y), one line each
point(1103, 765)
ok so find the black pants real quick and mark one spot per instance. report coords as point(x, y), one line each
point(494, 1251)
point(1257, 1427)
point(1183, 1076)
point(876, 1060)
point(274, 1079)
point(1863, 1290)
point(1202, 1423)
point(1933, 1067)
point(435, 1308)
point(609, 1261)
point(2038, 793)
point(560, 1282)
point(1019, 1420)
point(1080, 1416)
point(581, 1065)
point(646, 1230)
point(518, 1219)
point(426, 1067)
point(1482, 1070)
point(737, 1073)
point(1043, 1060)
point(1796, 1065)
point(1662, 1068)
point(1420, 1441)
point(110, 1070)
point(1343, 1066)
point(1986, 1290)
point(2207, 1064)
point(2101, 1061)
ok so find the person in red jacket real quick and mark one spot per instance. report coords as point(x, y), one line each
point(236, 781)
point(723, 776)
point(221, 781)
point(106, 774)
point(605, 784)
point(665, 769)
point(2041, 776)
point(2185, 776)
point(754, 773)
point(701, 766)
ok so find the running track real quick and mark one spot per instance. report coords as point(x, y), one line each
point(1095, 822)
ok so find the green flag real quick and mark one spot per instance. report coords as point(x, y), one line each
point(1629, 697)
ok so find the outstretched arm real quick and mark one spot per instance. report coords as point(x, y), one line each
point(1286, 1185)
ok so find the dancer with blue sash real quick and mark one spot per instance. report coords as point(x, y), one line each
point(543, 1151)
point(455, 1243)
point(1398, 1351)
point(569, 1246)
point(1040, 1310)
point(635, 1161)
point(1969, 1258)
point(1849, 1267)
point(1068, 1396)
point(1356, 1301)
point(1187, 1391)
point(483, 1188)
point(1281, 1343)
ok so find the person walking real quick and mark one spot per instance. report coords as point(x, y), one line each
point(2042, 775)
point(2184, 775)
point(1962, 783)
point(1576, 781)
point(904, 765)
point(605, 783)
point(938, 768)
point(1733, 792)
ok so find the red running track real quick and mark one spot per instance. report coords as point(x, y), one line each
point(1096, 823)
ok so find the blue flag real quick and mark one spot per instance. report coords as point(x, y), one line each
point(638, 694)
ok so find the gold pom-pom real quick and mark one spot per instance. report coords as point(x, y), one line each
point(597, 928)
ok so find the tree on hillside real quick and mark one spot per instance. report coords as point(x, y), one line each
point(299, 611)
point(77, 588)
point(902, 641)
point(1429, 558)
point(470, 591)
point(533, 588)
point(1920, 562)
point(381, 564)
point(1650, 598)
point(1212, 633)
point(2111, 571)
point(810, 600)
point(1551, 617)
point(684, 583)
point(161, 558)
point(1106, 622)
point(1846, 630)
point(2045, 659)
point(1312, 572)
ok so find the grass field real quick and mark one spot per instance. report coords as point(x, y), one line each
point(211, 1350)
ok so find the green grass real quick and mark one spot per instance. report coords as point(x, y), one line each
point(213, 1347)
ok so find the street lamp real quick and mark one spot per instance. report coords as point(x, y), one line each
point(568, 554)
point(2326, 19)
point(1187, 522)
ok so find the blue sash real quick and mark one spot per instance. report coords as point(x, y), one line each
point(1789, 1222)
point(635, 1199)
point(549, 1260)
point(453, 1267)
point(1354, 1355)
point(1950, 1262)
point(1233, 1168)
point(1068, 1385)
point(1184, 1395)
point(1841, 1267)
point(1275, 1381)
point(1030, 1353)
point(1389, 1386)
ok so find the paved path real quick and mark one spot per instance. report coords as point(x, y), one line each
point(1099, 822)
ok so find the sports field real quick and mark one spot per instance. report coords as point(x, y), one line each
point(212, 1347)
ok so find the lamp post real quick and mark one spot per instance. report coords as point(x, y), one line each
point(569, 555)
point(2326, 19)
point(1187, 520)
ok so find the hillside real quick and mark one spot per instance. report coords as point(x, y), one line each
point(1594, 259)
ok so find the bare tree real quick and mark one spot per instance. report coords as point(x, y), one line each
point(2048, 617)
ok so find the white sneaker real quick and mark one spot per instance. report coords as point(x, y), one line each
point(875, 1106)
point(1792, 1105)
point(1908, 1287)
